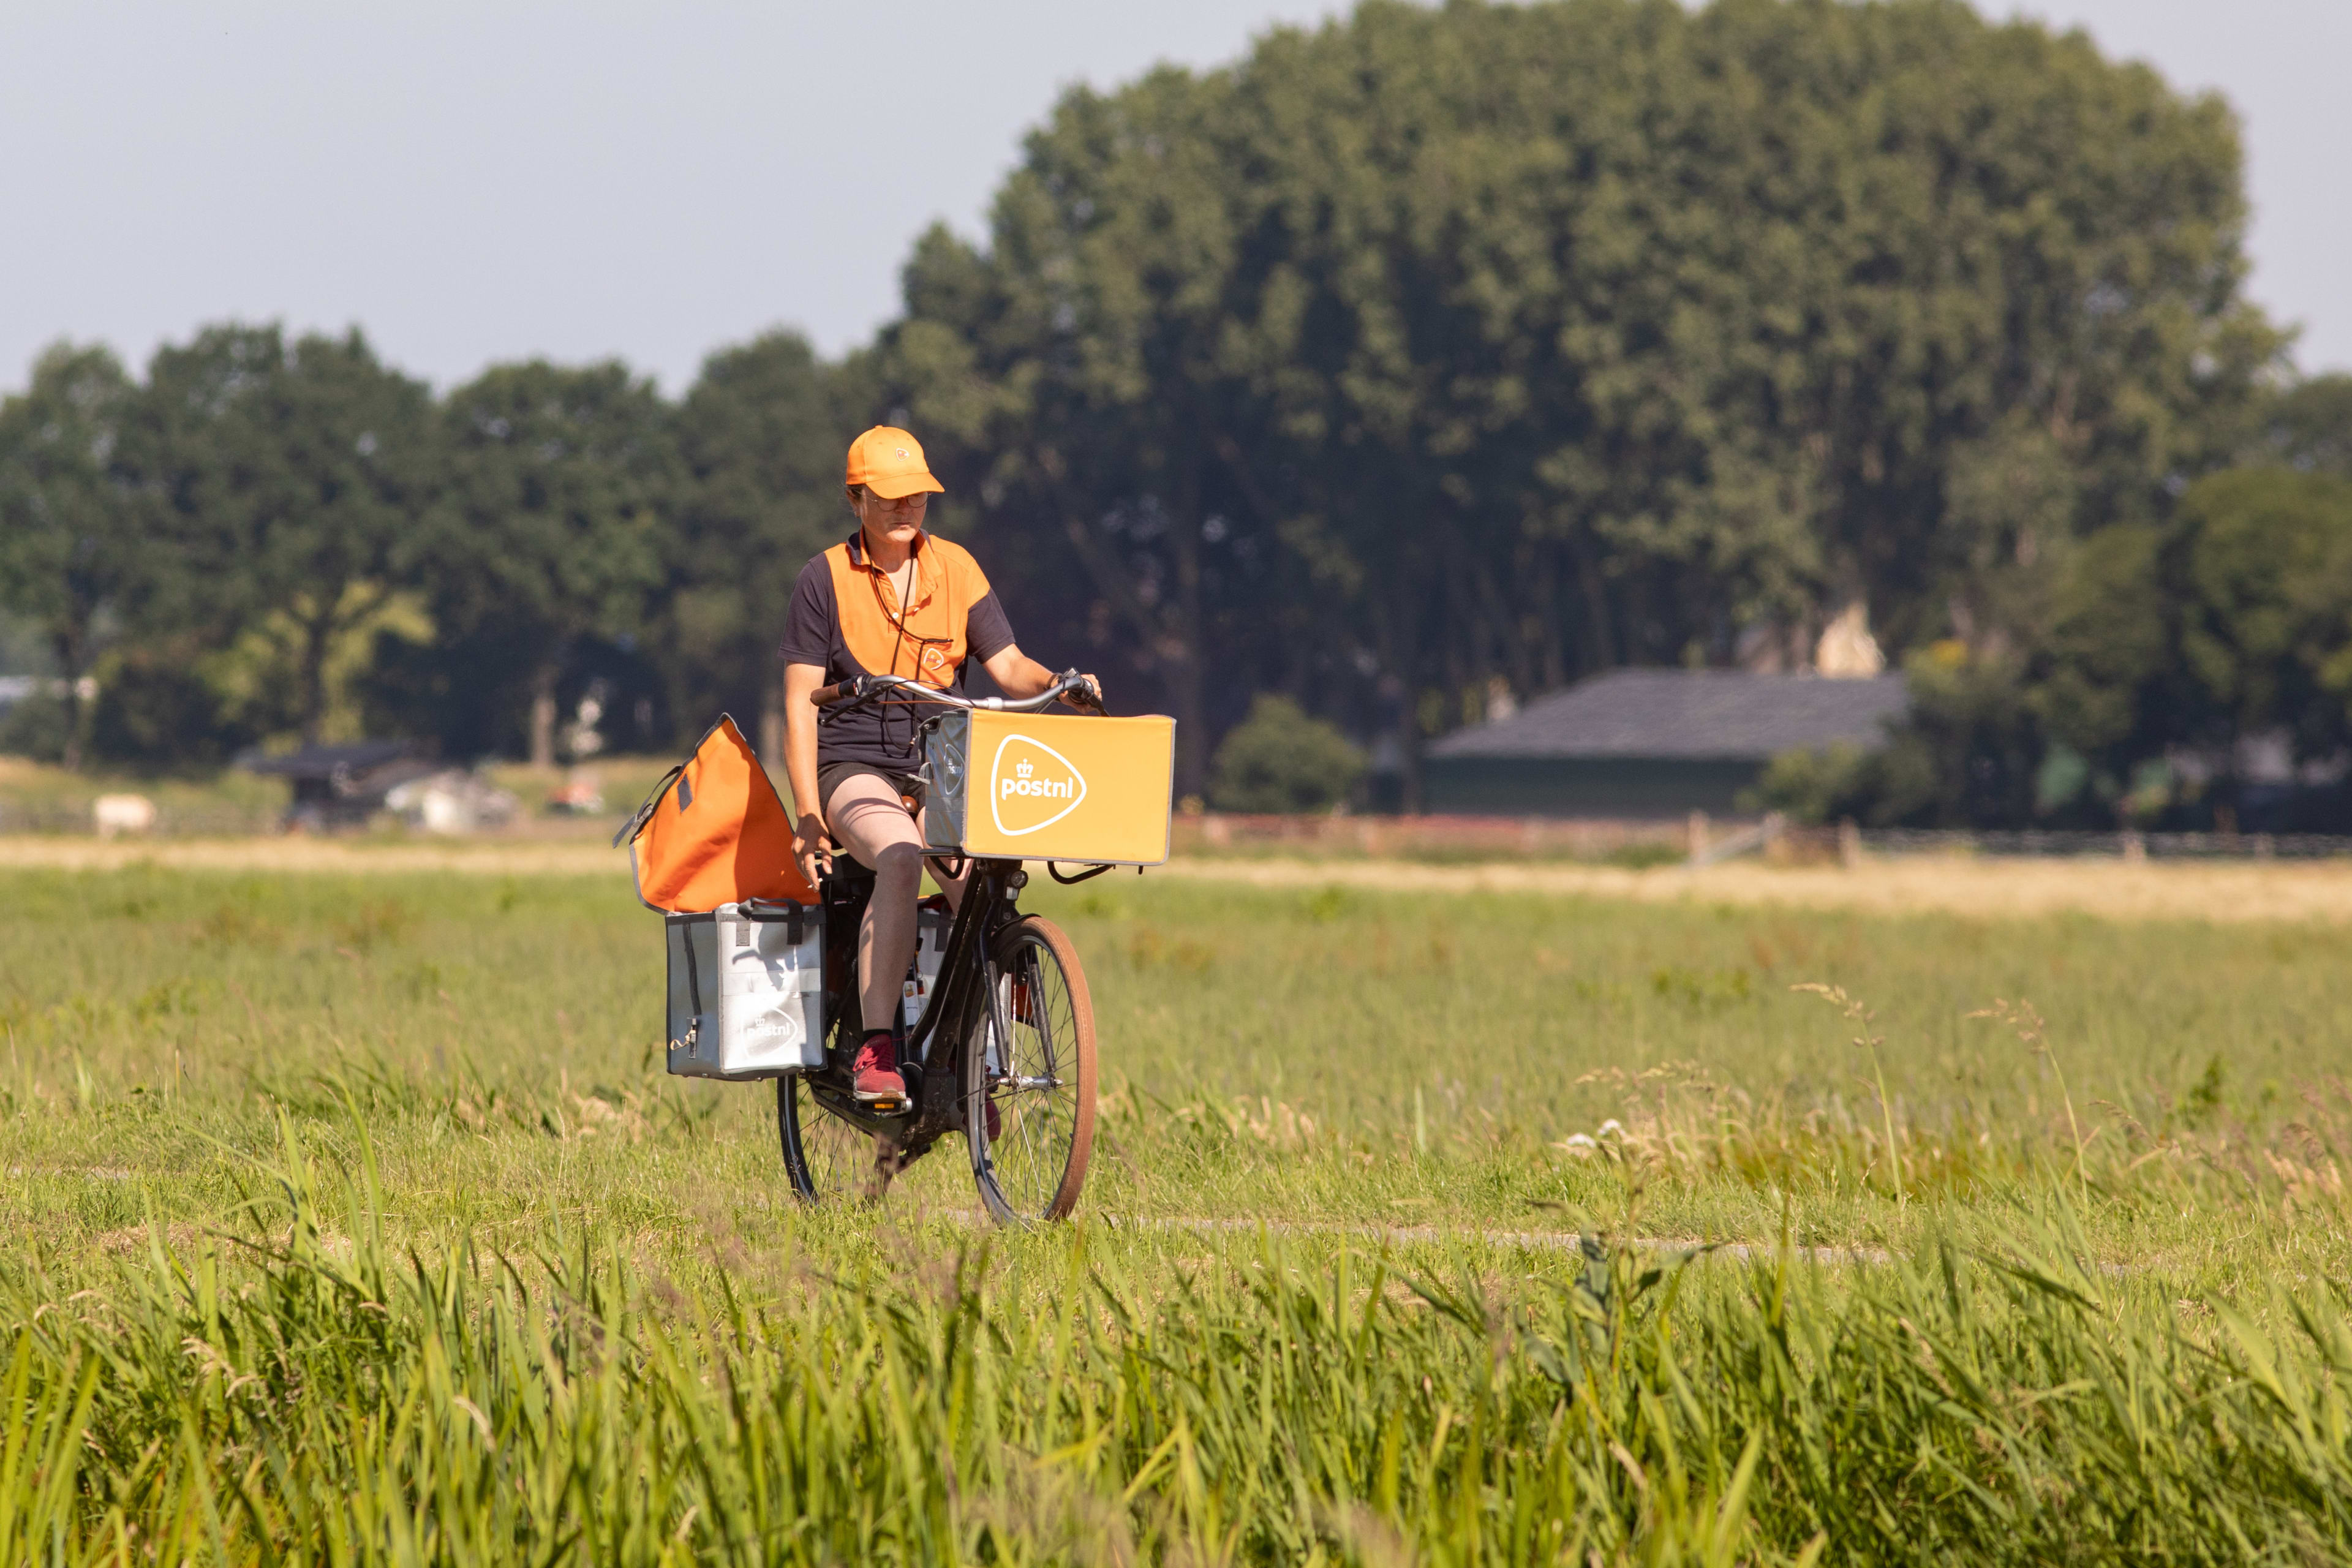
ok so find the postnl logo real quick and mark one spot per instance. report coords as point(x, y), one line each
point(1031, 787)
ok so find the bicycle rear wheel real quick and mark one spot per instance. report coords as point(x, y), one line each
point(829, 1161)
point(1032, 1057)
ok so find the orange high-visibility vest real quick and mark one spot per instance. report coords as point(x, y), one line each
point(714, 832)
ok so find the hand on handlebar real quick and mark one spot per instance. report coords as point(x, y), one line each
point(813, 847)
point(1081, 692)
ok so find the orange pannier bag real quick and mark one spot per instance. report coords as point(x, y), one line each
point(714, 832)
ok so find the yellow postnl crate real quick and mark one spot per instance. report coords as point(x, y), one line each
point(1037, 786)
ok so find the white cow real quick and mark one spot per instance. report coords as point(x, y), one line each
point(116, 813)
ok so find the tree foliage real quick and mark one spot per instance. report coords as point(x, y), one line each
point(1523, 342)
point(562, 484)
point(68, 533)
point(291, 482)
point(2227, 626)
point(1422, 353)
point(758, 474)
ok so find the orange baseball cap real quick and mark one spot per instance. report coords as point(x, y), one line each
point(889, 462)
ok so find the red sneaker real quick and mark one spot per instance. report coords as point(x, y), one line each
point(988, 1107)
point(875, 1069)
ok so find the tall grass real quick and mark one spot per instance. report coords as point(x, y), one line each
point(353, 1220)
point(284, 1391)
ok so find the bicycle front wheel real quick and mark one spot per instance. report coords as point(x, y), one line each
point(1031, 1072)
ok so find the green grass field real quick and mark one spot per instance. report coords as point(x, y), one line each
point(354, 1219)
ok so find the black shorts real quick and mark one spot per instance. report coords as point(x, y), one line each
point(830, 774)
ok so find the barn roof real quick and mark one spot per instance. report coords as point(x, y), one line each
point(316, 761)
point(1692, 714)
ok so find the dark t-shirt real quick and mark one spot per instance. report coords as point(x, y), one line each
point(845, 618)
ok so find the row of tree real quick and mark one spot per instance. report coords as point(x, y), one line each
point(273, 537)
point(1429, 352)
point(2192, 671)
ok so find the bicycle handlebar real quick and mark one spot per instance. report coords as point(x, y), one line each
point(1080, 691)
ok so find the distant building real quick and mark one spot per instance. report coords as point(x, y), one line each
point(452, 801)
point(342, 786)
point(1652, 742)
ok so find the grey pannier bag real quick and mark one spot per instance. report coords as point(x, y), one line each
point(746, 991)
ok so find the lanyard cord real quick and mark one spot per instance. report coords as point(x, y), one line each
point(898, 624)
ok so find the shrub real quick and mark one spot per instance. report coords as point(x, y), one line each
point(1279, 760)
point(1968, 753)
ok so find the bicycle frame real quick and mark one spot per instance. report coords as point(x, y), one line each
point(934, 1060)
point(934, 1051)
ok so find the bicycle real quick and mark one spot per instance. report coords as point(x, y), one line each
point(1003, 1050)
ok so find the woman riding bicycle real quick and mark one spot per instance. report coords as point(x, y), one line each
point(890, 600)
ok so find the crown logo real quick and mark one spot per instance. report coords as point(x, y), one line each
point(1037, 794)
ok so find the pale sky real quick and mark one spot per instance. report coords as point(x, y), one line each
point(486, 180)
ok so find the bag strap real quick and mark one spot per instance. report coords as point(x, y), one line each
point(645, 813)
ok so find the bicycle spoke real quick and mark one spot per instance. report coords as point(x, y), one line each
point(1027, 987)
point(1034, 1102)
point(837, 1158)
point(1040, 1035)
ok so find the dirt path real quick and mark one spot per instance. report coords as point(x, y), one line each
point(1529, 1240)
point(295, 852)
point(1986, 888)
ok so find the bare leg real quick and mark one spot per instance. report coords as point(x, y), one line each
point(950, 886)
point(868, 820)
